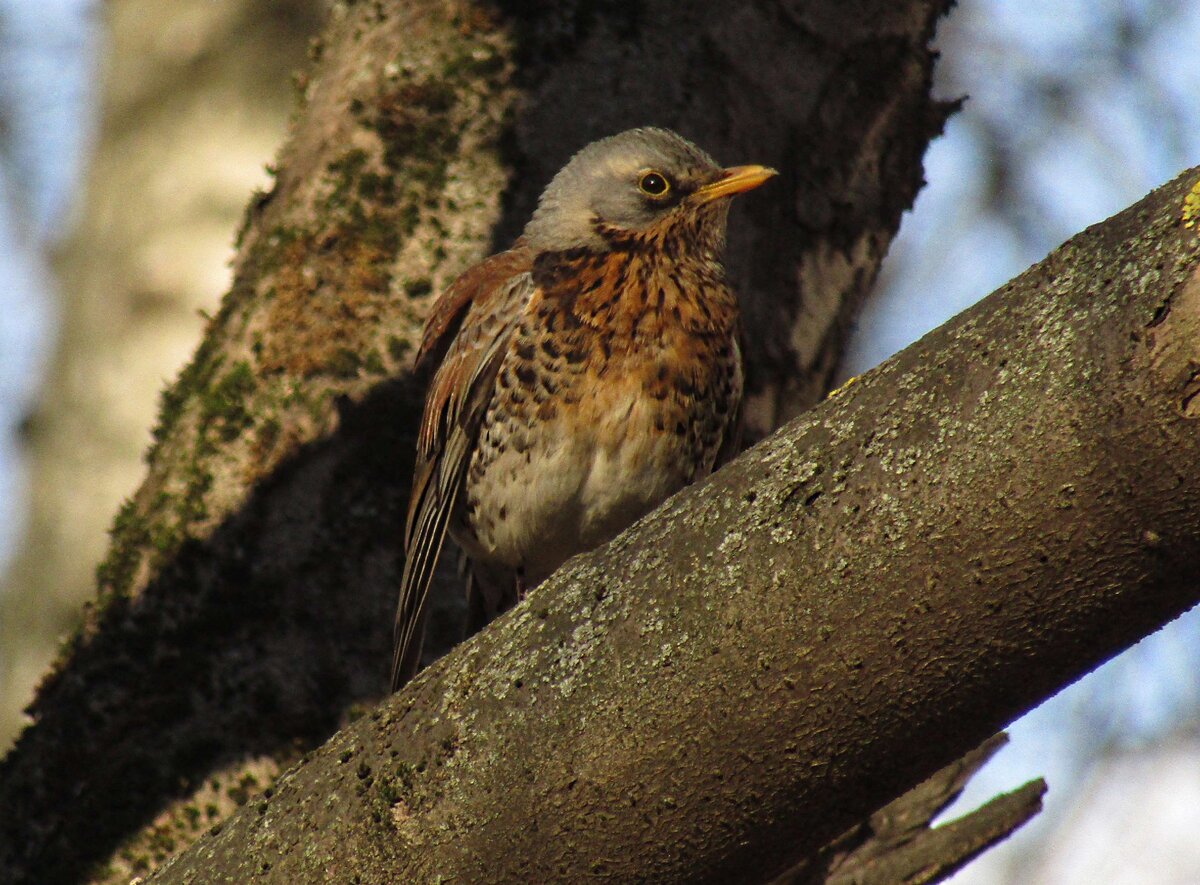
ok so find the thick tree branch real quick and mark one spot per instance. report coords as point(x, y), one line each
point(849, 606)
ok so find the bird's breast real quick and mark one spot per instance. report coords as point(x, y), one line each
point(593, 425)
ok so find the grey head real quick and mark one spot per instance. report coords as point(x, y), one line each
point(630, 181)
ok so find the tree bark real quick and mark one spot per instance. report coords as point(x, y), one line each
point(243, 600)
point(844, 609)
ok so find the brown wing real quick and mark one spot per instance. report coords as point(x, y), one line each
point(477, 284)
point(480, 324)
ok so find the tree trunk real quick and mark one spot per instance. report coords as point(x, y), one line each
point(196, 98)
point(244, 600)
point(847, 607)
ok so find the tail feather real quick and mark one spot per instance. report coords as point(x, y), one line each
point(428, 537)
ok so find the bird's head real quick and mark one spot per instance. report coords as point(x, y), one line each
point(634, 183)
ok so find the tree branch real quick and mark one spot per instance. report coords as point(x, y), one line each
point(899, 844)
point(849, 606)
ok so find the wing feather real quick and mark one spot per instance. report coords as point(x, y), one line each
point(482, 326)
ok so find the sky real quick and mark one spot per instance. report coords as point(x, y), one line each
point(1088, 105)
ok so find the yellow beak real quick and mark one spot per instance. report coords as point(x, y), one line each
point(735, 180)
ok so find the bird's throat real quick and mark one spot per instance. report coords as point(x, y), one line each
point(638, 293)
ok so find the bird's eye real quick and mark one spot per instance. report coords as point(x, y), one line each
point(653, 184)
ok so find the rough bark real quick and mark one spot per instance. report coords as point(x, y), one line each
point(243, 600)
point(841, 611)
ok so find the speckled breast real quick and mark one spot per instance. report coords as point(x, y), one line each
point(614, 393)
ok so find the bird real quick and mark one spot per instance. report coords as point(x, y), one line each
point(580, 378)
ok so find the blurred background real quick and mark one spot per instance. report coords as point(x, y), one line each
point(132, 133)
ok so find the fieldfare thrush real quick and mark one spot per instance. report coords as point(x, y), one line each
point(584, 375)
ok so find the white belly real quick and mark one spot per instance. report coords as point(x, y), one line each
point(575, 486)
